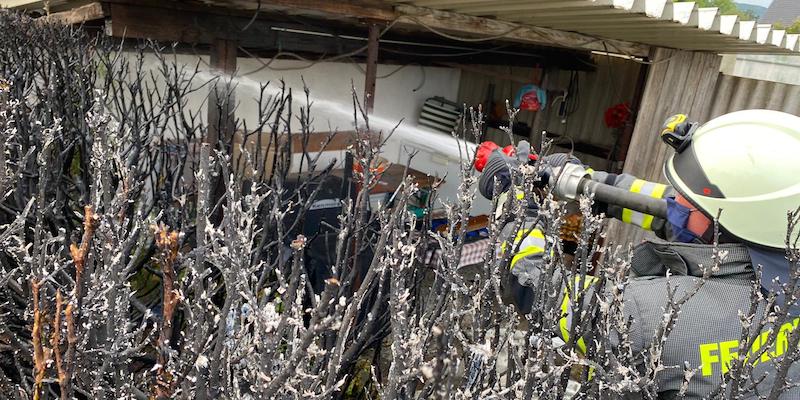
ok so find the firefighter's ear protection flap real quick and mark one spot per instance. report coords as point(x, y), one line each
point(677, 132)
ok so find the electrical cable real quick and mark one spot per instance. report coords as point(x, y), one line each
point(421, 67)
point(266, 64)
point(462, 54)
point(255, 15)
point(312, 62)
point(363, 71)
point(422, 81)
point(634, 59)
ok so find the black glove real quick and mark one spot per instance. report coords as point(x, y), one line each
point(497, 166)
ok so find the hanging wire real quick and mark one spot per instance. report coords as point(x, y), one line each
point(268, 63)
point(311, 62)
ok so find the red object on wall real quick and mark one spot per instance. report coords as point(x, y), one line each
point(617, 116)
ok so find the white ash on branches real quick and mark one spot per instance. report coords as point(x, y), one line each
point(139, 261)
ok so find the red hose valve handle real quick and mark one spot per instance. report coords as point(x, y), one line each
point(482, 155)
point(511, 151)
point(486, 148)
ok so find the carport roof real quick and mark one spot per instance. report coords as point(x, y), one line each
point(662, 23)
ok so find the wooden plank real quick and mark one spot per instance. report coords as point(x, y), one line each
point(650, 102)
point(638, 94)
point(24, 4)
point(686, 84)
point(701, 107)
point(88, 12)
point(187, 26)
point(484, 27)
point(722, 100)
point(154, 23)
point(222, 99)
point(367, 10)
point(171, 25)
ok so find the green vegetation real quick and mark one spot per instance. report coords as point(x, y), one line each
point(793, 28)
point(725, 7)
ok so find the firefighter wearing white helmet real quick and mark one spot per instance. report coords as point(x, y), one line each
point(746, 164)
point(744, 167)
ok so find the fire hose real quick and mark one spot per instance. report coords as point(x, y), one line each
point(568, 179)
point(572, 180)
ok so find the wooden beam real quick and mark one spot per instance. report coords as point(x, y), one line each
point(184, 26)
point(84, 13)
point(23, 4)
point(372, 68)
point(451, 22)
point(203, 25)
point(366, 10)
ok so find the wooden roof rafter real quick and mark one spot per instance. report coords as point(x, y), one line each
point(172, 21)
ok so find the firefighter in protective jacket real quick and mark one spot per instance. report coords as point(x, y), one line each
point(745, 164)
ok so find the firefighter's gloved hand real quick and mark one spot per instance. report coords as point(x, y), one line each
point(557, 160)
point(495, 163)
point(554, 162)
point(496, 167)
point(564, 173)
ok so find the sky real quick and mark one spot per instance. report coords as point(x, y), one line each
point(763, 3)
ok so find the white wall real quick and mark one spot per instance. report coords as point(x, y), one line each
point(396, 100)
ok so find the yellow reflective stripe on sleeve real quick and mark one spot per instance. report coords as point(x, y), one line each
point(566, 311)
point(532, 242)
point(658, 191)
point(655, 190)
point(627, 215)
point(529, 251)
point(636, 187)
point(564, 325)
point(534, 233)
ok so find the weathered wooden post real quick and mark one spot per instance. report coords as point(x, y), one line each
point(372, 67)
point(222, 99)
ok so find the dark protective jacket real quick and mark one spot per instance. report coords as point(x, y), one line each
point(708, 328)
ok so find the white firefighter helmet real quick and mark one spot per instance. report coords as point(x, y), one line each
point(747, 164)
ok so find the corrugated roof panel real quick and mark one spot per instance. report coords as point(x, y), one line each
point(664, 23)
